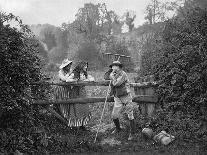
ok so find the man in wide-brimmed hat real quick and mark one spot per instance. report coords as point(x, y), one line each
point(120, 89)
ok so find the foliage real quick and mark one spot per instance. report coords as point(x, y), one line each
point(129, 19)
point(151, 53)
point(182, 70)
point(41, 51)
point(88, 51)
point(157, 11)
point(49, 39)
point(20, 66)
point(112, 23)
point(95, 19)
point(87, 19)
point(52, 67)
point(93, 24)
point(144, 47)
point(55, 41)
point(120, 47)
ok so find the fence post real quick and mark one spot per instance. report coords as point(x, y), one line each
point(147, 109)
point(150, 107)
point(141, 91)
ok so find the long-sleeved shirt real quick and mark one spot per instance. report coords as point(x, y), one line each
point(63, 76)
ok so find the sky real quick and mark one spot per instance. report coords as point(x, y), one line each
point(56, 12)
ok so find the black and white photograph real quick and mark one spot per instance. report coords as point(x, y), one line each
point(103, 77)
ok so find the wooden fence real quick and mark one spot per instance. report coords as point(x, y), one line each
point(145, 96)
point(147, 109)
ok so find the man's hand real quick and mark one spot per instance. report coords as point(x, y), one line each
point(113, 76)
point(107, 74)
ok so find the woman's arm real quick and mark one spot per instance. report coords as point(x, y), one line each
point(62, 76)
point(70, 78)
point(90, 78)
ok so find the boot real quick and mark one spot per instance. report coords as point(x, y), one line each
point(132, 130)
point(117, 124)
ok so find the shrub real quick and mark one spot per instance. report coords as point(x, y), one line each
point(182, 70)
point(88, 51)
point(20, 66)
point(150, 53)
point(52, 67)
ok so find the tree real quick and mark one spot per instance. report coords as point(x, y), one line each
point(88, 52)
point(189, 5)
point(149, 15)
point(74, 39)
point(88, 20)
point(157, 11)
point(151, 53)
point(54, 39)
point(42, 51)
point(95, 20)
point(129, 19)
point(60, 51)
point(49, 40)
point(108, 19)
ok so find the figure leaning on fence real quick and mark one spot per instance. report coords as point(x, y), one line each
point(77, 115)
point(120, 89)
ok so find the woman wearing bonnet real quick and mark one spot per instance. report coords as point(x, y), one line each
point(77, 115)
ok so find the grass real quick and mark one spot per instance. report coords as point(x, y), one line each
point(84, 142)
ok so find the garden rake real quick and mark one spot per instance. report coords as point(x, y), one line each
point(103, 111)
point(117, 56)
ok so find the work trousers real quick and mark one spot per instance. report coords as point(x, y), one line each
point(123, 105)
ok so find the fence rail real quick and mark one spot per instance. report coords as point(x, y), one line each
point(138, 99)
point(145, 95)
point(97, 83)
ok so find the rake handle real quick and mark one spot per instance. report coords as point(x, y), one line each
point(102, 112)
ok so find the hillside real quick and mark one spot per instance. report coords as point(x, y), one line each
point(61, 44)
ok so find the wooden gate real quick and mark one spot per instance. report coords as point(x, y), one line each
point(144, 96)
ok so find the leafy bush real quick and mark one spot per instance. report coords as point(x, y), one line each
point(52, 67)
point(88, 51)
point(25, 127)
point(150, 53)
point(20, 66)
point(182, 70)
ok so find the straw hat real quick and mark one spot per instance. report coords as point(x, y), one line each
point(65, 63)
point(116, 63)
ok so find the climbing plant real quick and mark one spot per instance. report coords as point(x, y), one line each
point(20, 66)
point(182, 70)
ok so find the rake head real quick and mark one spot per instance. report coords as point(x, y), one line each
point(118, 56)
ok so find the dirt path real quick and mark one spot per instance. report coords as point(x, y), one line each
point(118, 144)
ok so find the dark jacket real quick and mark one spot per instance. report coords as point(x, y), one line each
point(120, 86)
